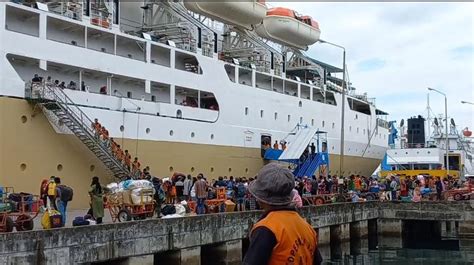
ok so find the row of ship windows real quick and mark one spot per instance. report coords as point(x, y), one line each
point(171, 132)
point(323, 123)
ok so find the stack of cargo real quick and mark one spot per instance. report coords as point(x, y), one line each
point(134, 192)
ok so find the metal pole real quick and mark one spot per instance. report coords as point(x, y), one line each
point(446, 132)
point(341, 164)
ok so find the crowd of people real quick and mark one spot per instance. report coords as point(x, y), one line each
point(124, 157)
point(37, 79)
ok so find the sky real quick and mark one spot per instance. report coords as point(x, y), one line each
point(396, 50)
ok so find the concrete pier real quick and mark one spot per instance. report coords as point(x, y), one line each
point(389, 233)
point(227, 253)
point(188, 240)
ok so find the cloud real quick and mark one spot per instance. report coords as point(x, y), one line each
point(396, 50)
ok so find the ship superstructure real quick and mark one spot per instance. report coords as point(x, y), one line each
point(186, 87)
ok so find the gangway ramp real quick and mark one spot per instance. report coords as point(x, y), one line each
point(298, 142)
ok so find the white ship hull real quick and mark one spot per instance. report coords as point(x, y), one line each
point(164, 134)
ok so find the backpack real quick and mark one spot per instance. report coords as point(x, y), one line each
point(240, 190)
point(66, 193)
point(168, 209)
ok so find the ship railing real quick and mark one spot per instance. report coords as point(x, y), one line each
point(52, 93)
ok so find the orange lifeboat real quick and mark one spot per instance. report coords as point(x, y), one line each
point(238, 13)
point(284, 26)
point(467, 133)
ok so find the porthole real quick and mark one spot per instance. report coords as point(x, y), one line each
point(179, 114)
point(357, 129)
point(246, 170)
point(300, 104)
point(212, 169)
point(122, 128)
point(171, 132)
point(212, 136)
point(429, 152)
point(193, 134)
point(350, 128)
point(230, 169)
point(333, 125)
point(356, 117)
point(23, 167)
point(92, 168)
point(333, 147)
point(406, 153)
point(59, 167)
point(192, 169)
point(171, 169)
point(24, 119)
point(147, 130)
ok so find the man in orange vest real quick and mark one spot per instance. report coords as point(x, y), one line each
point(281, 236)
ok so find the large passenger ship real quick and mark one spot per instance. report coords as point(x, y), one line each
point(185, 86)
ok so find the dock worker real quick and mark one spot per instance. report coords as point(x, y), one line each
point(281, 236)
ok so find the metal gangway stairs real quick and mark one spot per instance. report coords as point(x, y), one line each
point(52, 99)
point(296, 153)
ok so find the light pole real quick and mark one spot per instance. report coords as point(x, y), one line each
point(341, 161)
point(446, 126)
point(467, 102)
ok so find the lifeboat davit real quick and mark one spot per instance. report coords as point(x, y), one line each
point(238, 13)
point(283, 26)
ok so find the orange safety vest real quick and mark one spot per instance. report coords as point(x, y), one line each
point(296, 239)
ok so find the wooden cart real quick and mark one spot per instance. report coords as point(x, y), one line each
point(122, 209)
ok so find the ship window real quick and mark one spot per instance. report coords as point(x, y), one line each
point(230, 70)
point(160, 55)
point(333, 125)
point(312, 122)
point(179, 114)
point(245, 76)
point(261, 113)
point(276, 115)
point(246, 170)
point(130, 48)
point(24, 119)
point(357, 129)
point(129, 94)
point(171, 132)
point(122, 128)
point(187, 62)
point(153, 98)
point(323, 123)
point(92, 168)
point(263, 81)
point(301, 120)
point(330, 99)
point(65, 32)
point(99, 40)
point(300, 104)
point(193, 134)
point(59, 167)
point(305, 92)
point(23, 167)
point(147, 130)
point(246, 111)
point(359, 106)
point(289, 118)
point(192, 169)
point(357, 117)
point(212, 169)
point(350, 128)
point(230, 169)
point(291, 88)
point(212, 136)
point(22, 21)
point(171, 169)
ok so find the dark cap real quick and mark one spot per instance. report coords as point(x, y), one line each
point(273, 185)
